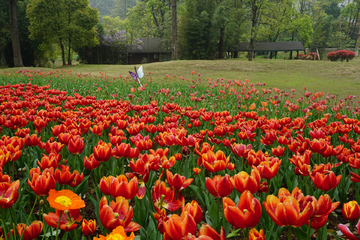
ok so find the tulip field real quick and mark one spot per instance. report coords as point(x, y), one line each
point(88, 156)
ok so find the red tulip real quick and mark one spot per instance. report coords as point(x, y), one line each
point(88, 227)
point(215, 162)
point(91, 163)
point(117, 214)
point(176, 228)
point(42, 182)
point(164, 197)
point(29, 232)
point(177, 182)
point(242, 181)
point(246, 215)
point(286, 211)
point(67, 222)
point(351, 211)
point(119, 186)
point(76, 145)
point(219, 186)
point(194, 210)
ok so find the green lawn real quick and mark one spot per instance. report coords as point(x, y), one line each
point(340, 78)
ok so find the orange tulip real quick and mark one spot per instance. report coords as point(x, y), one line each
point(117, 214)
point(161, 217)
point(326, 180)
point(177, 182)
point(322, 208)
point(67, 221)
point(270, 137)
point(88, 227)
point(351, 211)
point(165, 197)
point(256, 235)
point(194, 210)
point(204, 149)
point(247, 214)
point(52, 160)
point(102, 151)
point(286, 211)
point(9, 194)
point(32, 140)
point(207, 232)
point(196, 171)
point(241, 150)
point(42, 182)
point(76, 145)
point(119, 186)
point(53, 146)
point(63, 176)
point(29, 232)
point(97, 129)
point(278, 151)
point(64, 138)
point(121, 150)
point(255, 158)
point(215, 162)
point(242, 181)
point(219, 186)
point(91, 163)
point(268, 170)
point(176, 228)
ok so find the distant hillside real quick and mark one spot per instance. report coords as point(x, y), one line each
point(112, 8)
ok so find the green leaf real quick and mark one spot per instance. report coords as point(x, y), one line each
point(198, 193)
point(299, 233)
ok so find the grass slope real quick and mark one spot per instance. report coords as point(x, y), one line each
point(339, 78)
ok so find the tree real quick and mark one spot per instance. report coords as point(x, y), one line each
point(120, 8)
point(4, 30)
point(277, 18)
point(174, 30)
point(322, 27)
point(69, 23)
point(15, 33)
point(104, 6)
point(255, 7)
point(350, 26)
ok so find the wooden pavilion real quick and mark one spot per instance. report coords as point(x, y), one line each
point(268, 47)
point(150, 50)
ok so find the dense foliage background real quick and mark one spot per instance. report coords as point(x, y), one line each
point(48, 31)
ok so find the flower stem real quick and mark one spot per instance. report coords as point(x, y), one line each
point(289, 232)
point(309, 228)
point(75, 235)
point(57, 227)
point(3, 220)
point(27, 221)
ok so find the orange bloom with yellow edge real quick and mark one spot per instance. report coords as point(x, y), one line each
point(351, 211)
point(117, 234)
point(286, 210)
point(256, 235)
point(64, 200)
point(215, 162)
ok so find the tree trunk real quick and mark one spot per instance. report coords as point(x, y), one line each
point(15, 34)
point(252, 31)
point(174, 31)
point(221, 42)
point(357, 44)
point(3, 59)
point(69, 56)
point(62, 52)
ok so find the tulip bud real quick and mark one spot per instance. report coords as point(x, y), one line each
point(351, 211)
point(88, 227)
